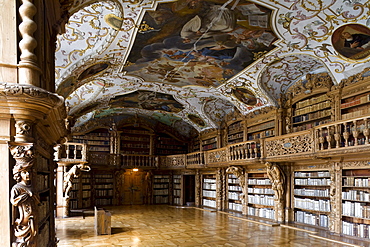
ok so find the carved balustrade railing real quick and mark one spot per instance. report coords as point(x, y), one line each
point(71, 152)
point(173, 161)
point(100, 158)
point(343, 134)
point(195, 159)
point(139, 161)
point(244, 150)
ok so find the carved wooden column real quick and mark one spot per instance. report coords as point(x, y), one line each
point(335, 197)
point(198, 188)
point(29, 71)
point(220, 189)
point(289, 195)
point(114, 145)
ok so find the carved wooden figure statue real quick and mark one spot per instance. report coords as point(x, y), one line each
point(277, 178)
point(74, 172)
point(24, 200)
point(239, 173)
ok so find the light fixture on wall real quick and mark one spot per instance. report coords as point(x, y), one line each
point(135, 169)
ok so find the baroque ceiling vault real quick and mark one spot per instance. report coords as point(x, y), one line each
point(188, 63)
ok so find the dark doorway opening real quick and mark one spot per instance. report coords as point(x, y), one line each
point(189, 190)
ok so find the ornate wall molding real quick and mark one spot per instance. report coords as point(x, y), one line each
point(216, 156)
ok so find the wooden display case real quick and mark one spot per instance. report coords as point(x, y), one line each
point(311, 197)
point(260, 196)
point(356, 202)
point(161, 185)
point(209, 190)
point(234, 194)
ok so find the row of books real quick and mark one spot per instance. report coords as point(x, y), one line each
point(267, 125)
point(103, 201)
point(94, 136)
point(135, 138)
point(311, 219)
point(42, 163)
point(356, 195)
point(42, 182)
point(177, 193)
point(177, 186)
point(160, 192)
point(104, 186)
point(209, 180)
point(311, 101)
point(235, 206)
point(135, 145)
point(99, 149)
point(262, 212)
point(311, 116)
point(86, 194)
point(310, 204)
point(233, 180)
point(358, 112)
point(312, 108)
point(210, 146)
point(209, 193)
point(234, 188)
point(356, 182)
point(263, 134)
point(310, 125)
point(104, 180)
point(130, 131)
point(356, 209)
point(103, 192)
point(235, 136)
point(211, 140)
point(235, 126)
point(356, 229)
point(265, 191)
point(261, 200)
point(312, 181)
point(209, 203)
point(161, 180)
point(160, 186)
point(255, 181)
point(311, 192)
point(234, 196)
point(312, 174)
point(177, 201)
point(361, 100)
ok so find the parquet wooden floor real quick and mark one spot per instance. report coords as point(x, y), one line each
point(162, 225)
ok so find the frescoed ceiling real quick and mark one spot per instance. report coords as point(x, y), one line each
point(188, 63)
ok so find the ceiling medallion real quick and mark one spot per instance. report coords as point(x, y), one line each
point(244, 95)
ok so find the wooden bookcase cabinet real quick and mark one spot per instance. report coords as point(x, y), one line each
point(210, 140)
point(167, 145)
point(97, 140)
point(260, 198)
point(311, 197)
point(209, 193)
point(136, 141)
point(236, 132)
point(161, 188)
point(234, 193)
point(177, 180)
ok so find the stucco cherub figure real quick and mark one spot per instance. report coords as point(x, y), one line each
point(74, 172)
point(24, 201)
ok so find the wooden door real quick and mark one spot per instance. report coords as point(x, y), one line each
point(133, 188)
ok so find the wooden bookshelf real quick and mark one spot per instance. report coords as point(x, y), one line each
point(161, 185)
point(209, 190)
point(356, 202)
point(235, 132)
point(167, 145)
point(311, 112)
point(260, 196)
point(136, 141)
point(311, 197)
point(234, 193)
point(103, 188)
point(177, 190)
point(97, 141)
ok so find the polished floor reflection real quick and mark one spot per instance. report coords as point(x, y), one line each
point(179, 226)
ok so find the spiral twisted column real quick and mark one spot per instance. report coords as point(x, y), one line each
point(28, 69)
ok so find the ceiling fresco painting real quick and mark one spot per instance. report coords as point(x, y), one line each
point(198, 42)
point(147, 100)
point(208, 58)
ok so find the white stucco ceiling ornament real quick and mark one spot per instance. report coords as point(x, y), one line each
point(99, 46)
